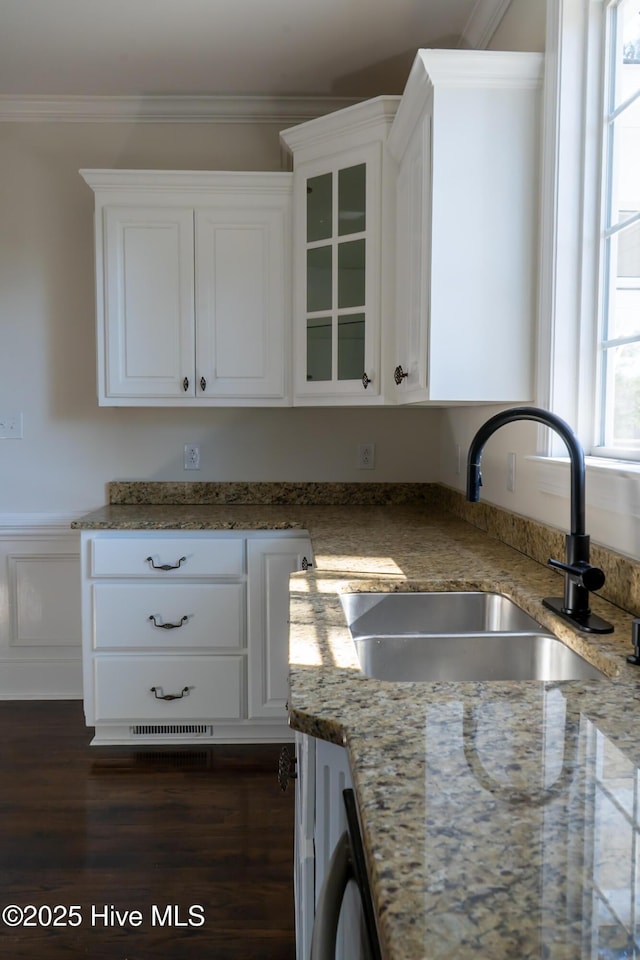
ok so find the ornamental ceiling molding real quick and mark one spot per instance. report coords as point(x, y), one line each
point(480, 27)
point(168, 109)
point(483, 23)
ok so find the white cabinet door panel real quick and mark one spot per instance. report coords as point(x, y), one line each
point(242, 300)
point(270, 563)
point(148, 335)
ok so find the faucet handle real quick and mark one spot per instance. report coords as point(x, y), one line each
point(581, 573)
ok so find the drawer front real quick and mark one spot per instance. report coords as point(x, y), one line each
point(123, 688)
point(186, 615)
point(184, 556)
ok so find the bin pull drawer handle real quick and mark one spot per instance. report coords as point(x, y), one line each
point(166, 566)
point(168, 625)
point(159, 695)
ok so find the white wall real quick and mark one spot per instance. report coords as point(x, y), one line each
point(72, 447)
point(522, 27)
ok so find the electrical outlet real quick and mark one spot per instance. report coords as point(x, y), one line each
point(191, 456)
point(511, 471)
point(366, 456)
point(10, 426)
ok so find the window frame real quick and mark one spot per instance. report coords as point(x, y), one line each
point(612, 228)
point(572, 264)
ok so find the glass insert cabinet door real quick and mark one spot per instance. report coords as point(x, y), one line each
point(336, 312)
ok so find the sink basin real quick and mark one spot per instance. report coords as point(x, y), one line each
point(384, 614)
point(486, 656)
point(456, 636)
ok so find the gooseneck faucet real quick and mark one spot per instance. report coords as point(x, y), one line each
point(580, 576)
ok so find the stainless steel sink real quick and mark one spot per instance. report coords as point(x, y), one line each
point(456, 636)
point(485, 656)
point(394, 614)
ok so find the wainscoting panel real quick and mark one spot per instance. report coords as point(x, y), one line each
point(40, 631)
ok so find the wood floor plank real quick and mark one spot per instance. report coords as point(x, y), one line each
point(198, 841)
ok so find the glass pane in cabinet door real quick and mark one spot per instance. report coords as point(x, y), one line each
point(319, 225)
point(319, 349)
point(319, 279)
point(351, 280)
point(351, 347)
point(352, 199)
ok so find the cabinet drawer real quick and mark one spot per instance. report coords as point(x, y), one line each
point(203, 615)
point(123, 688)
point(185, 556)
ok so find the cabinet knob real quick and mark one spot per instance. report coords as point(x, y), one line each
point(366, 380)
point(203, 384)
point(286, 768)
point(185, 384)
point(305, 564)
point(399, 374)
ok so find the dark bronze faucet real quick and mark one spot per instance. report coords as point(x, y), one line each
point(580, 576)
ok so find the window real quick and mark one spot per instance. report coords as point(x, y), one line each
point(589, 360)
point(618, 366)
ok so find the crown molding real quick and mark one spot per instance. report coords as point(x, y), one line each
point(169, 109)
point(471, 68)
point(483, 23)
point(185, 186)
point(360, 117)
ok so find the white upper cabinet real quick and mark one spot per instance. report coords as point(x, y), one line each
point(396, 264)
point(466, 141)
point(343, 192)
point(193, 287)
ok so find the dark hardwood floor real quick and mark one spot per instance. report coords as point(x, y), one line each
point(166, 853)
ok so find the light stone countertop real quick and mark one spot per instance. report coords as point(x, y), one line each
point(500, 820)
point(191, 517)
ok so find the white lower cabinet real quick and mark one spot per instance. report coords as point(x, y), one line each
point(185, 635)
point(322, 775)
point(269, 564)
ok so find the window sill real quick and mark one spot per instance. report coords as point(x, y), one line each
point(612, 485)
